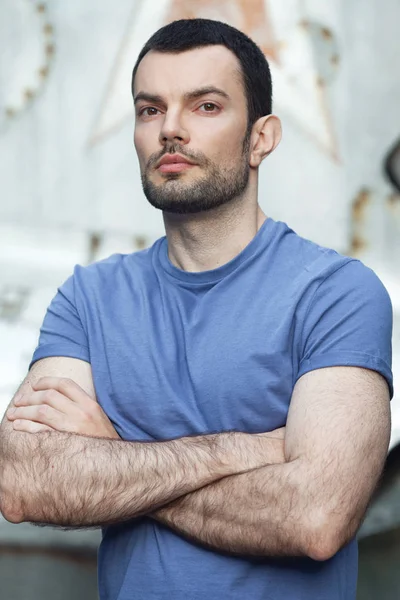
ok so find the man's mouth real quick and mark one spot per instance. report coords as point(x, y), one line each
point(174, 163)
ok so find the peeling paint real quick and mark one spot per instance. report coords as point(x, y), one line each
point(358, 215)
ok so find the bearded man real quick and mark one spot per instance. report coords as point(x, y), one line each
point(219, 402)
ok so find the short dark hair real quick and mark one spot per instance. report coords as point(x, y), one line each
point(187, 34)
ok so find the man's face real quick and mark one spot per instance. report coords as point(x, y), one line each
point(191, 107)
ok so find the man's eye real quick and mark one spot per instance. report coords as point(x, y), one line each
point(209, 107)
point(149, 111)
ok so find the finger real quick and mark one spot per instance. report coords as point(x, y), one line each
point(30, 426)
point(43, 414)
point(65, 386)
point(50, 397)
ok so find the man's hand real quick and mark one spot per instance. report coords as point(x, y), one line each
point(71, 480)
point(60, 404)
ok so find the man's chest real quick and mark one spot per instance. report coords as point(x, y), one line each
point(169, 368)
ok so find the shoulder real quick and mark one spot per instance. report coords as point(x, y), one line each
point(115, 271)
point(315, 267)
point(352, 292)
point(307, 256)
point(343, 311)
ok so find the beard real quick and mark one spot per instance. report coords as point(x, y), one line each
point(217, 187)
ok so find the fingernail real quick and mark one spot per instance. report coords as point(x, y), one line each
point(11, 411)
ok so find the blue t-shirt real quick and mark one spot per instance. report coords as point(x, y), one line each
point(175, 353)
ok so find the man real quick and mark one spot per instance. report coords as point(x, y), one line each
point(230, 326)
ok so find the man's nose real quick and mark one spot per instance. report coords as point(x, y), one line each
point(173, 130)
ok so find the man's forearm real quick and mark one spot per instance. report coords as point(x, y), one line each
point(257, 513)
point(71, 480)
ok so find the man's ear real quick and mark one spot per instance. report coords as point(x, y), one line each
point(265, 136)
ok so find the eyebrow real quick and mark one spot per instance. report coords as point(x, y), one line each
point(203, 91)
point(192, 95)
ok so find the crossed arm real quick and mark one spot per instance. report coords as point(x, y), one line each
point(231, 492)
point(75, 480)
point(337, 437)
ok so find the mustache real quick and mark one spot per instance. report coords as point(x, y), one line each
point(197, 157)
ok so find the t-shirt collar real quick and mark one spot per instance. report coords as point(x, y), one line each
point(214, 275)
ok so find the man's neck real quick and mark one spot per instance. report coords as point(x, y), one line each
point(206, 241)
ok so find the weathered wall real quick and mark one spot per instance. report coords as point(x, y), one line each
point(69, 177)
point(66, 75)
point(71, 189)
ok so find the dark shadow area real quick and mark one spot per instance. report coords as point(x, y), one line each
point(49, 574)
point(379, 573)
point(392, 166)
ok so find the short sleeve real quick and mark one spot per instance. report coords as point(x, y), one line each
point(349, 323)
point(62, 332)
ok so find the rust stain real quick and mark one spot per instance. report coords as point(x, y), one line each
point(358, 211)
point(48, 29)
point(140, 242)
point(95, 240)
point(43, 72)
point(249, 16)
point(50, 49)
point(357, 245)
point(28, 94)
point(359, 205)
point(335, 59)
point(326, 33)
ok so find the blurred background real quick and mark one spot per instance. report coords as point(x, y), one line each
point(71, 193)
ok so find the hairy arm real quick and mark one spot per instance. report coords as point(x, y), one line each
point(75, 480)
point(336, 442)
